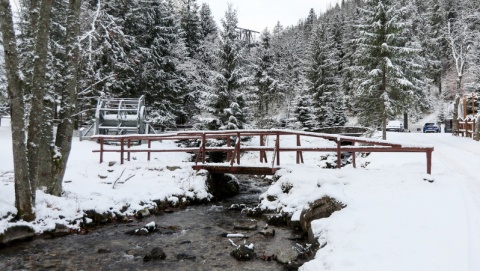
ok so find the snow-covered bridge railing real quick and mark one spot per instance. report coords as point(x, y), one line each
point(344, 144)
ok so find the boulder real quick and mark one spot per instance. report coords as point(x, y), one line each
point(98, 218)
point(60, 230)
point(143, 213)
point(286, 255)
point(155, 254)
point(185, 256)
point(321, 208)
point(223, 185)
point(243, 252)
point(267, 232)
point(16, 233)
point(245, 224)
point(103, 250)
point(136, 252)
point(274, 219)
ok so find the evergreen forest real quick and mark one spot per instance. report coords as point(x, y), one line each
point(369, 60)
point(362, 62)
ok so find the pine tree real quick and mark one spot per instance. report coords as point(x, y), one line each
point(206, 56)
point(387, 73)
point(192, 66)
point(434, 46)
point(304, 113)
point(310, 23)
point(265, 82)
point(190, 23)
point(324, 78)
point(162, 79)
point(290, 55)
point(228, 102)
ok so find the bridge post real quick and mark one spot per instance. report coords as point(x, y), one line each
point(261, 144)
point(299, 153)
point(238, 148)
point(228, 145)
point(203, 147)
point(277, 148)
point(149, 145)
point(263, 155)
point(354, 163)
point(429, 162)
point(128, 146)
point(121, 151)
point(339, 154)
point(101, 150)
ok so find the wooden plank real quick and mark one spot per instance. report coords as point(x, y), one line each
point(237, 169)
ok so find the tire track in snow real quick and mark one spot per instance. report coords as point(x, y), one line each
point(454, 155)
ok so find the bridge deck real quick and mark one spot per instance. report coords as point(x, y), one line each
point(238, 169)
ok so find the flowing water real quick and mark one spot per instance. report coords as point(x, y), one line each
point(191, 239)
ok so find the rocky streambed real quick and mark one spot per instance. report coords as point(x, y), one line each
point(214, 236)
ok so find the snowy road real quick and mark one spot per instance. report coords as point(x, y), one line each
point(395, 220)
point(456, 161)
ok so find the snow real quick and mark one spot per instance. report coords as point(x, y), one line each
point(396, 216)
point(136, 184)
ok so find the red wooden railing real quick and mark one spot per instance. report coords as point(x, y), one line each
point(357, 145)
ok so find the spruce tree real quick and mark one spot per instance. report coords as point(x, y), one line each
point(304, 113)
point(163, 52)
point(265, 83)
point(387, 73)
point(190, 23)
point(324, 78)
point(228, 102)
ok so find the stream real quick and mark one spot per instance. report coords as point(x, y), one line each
point(191, 238)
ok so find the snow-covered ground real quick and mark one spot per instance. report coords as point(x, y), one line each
point(394, 218)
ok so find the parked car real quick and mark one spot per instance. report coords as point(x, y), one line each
point(431, 127)
point(395, 126)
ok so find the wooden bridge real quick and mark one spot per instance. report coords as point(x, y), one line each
point(342, 144)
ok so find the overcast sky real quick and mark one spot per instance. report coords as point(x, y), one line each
point(259, 14)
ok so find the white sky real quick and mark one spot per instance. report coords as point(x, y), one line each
point(259, 14)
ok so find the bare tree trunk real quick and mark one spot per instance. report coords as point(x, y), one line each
point(36, 120)
point(63, 140)
point(24, 194)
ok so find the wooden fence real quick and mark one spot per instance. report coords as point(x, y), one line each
point(344, 144)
